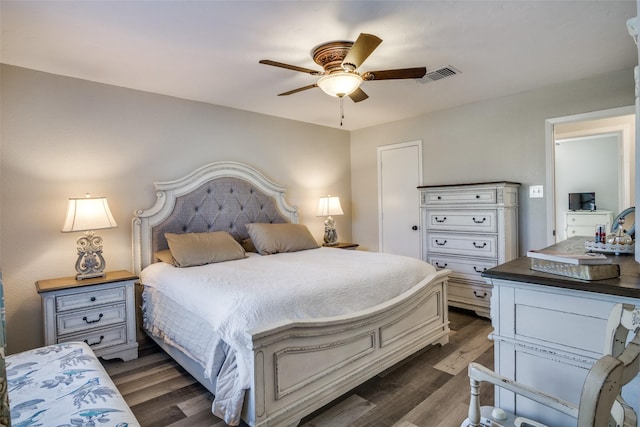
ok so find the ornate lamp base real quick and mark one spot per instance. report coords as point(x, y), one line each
point(90, 262)
point(330, 233)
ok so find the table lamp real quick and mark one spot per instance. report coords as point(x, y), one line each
point(329, 206)
point(88, 214)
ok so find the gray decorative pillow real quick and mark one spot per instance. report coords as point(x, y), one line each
point(190, 249)
point(275, 238)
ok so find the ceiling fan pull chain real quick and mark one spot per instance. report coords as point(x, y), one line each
point(341, 110)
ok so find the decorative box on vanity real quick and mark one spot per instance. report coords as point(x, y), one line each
point(469, 228)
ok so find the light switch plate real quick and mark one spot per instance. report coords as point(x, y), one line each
point(536, 191)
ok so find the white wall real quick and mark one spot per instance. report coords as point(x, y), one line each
point(63, 137)
point(498, 139)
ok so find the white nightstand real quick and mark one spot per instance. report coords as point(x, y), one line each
point(100, 312)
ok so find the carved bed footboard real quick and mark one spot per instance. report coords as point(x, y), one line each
point(300, 367)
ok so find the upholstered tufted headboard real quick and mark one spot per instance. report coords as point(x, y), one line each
point(222, 196)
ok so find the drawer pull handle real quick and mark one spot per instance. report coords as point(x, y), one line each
point(441, 266)
point(477, 246)
point(88, 322)
point(439, 198)
point(477, 196)
point(484, 294)
point(479, 221)
point(479, 270)
point(93, 299)
point(444, 218)
point(100, 341)
point(439, 243)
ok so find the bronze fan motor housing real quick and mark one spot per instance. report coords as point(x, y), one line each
point(330, 55)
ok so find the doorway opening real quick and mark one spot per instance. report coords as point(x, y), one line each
point(571, 144)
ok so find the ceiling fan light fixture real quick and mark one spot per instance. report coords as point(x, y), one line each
point(340, 83)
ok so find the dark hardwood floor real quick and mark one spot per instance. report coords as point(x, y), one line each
point(430, 389)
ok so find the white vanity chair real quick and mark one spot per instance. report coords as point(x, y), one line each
point(600, 403)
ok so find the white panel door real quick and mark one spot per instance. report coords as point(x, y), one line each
point(399, 174)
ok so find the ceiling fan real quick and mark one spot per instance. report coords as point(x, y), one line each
point(340, 61)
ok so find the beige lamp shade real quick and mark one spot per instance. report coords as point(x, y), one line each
point(329, 205)
point(88, 213)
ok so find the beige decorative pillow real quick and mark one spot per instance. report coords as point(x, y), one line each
point(248, 245)
point(165, 256)
point(276, 238)
point(190, 249)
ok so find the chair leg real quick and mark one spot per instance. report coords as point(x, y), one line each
point(474, 403)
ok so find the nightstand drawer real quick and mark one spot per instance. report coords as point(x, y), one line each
point(90, 319)
point(89, 298)
point(462, 244)
point(100, 338)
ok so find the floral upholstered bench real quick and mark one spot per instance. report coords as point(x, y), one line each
point(63, 385)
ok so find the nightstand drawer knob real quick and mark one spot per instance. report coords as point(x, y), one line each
point(93, 321)
point(93, 299)
point(95, 343)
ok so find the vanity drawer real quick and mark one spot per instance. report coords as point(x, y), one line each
point(100, 338)
point(483, 221)
point(90, 319)
point(90, 298)
point(463, 268)
point(448, 197)
point(473, 245)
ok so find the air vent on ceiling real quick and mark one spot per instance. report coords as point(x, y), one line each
point(439, 74)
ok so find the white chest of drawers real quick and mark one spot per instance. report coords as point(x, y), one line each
point(468, 229)
point(583, 223)
point(100, 312)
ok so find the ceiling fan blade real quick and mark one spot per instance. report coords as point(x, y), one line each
point(360, 51)
point(358, 95)
point(300, 89)
point(403, 73)
point(291, 67)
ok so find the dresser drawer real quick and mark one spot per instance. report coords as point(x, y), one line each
point(466, 197)
point(482, 221)
point(463, 268)
point(100, 338)
point(90, 319)
point(90, 298)
point(591, 219)
point(470, 294)
point(473, 245)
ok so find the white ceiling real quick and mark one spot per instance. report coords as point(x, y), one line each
point(209, 50)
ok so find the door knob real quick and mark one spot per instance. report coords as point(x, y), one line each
point(415, 227)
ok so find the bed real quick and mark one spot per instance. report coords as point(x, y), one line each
point(281, 332)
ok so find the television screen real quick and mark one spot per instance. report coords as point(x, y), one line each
point(582, 201)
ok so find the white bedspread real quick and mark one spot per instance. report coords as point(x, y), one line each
point(263, 291)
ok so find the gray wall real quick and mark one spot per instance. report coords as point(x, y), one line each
point(63, 137)
point(498, 139)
